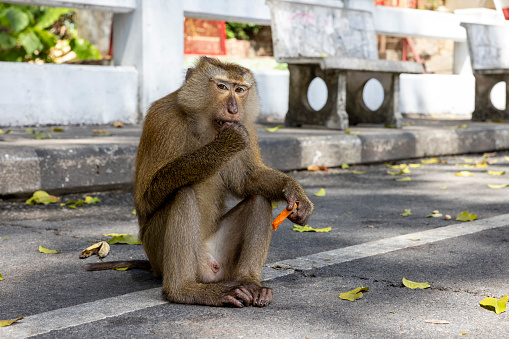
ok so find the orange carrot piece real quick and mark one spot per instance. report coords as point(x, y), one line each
point(281, 217)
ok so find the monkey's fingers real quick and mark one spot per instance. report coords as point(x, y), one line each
point(262, 297)
point(282, 216)
point(302, 214)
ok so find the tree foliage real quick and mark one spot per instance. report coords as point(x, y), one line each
point(29, 33)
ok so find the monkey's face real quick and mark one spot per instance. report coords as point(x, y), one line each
point(231, 95)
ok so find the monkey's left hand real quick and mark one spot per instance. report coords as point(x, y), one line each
point(295, 194)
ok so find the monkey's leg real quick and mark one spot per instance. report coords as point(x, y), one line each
point(185, 256)
point(242, 243)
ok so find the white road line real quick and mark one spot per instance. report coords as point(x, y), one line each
point(116, 306)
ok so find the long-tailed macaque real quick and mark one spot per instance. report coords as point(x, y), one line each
point(198, 148)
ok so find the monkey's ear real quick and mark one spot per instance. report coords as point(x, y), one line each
point(190, 72)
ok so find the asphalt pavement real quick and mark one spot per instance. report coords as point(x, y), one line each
point(370, 243)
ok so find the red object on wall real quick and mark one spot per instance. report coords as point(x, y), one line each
point(204, 37)
point(506, 13)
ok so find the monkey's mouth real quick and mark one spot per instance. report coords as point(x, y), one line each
point(222, 123)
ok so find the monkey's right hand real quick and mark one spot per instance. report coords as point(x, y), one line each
point(233, 134)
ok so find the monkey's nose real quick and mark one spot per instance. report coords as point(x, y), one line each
point(232, 106)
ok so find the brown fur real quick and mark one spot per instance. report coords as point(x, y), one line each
point(187, 165)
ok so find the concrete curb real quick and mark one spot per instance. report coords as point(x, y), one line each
point(80, 161)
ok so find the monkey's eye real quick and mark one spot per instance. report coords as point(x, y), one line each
point(222, 86)
point(240, 89)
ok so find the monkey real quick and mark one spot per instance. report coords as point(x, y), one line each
point(198, 149)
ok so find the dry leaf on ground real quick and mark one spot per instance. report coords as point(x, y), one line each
point(466, 216)
point(317, 168)
point(4, 323)
point(494, 304)
point(353, 294)
point(407, 212)
point(307, 228)
point(45, 250)
point(101, 248)
point(413, 285)
point(320, 193)
point(41, 197)
point(272, 129)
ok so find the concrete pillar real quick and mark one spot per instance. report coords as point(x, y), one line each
point(152, 39)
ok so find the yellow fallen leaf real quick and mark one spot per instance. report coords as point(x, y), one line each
point(469, 160)
point(498, 186)
point(45, 250)
point(274, 205)
point(122, 268)
point(415, 165)
point(358, 172)
point(1, 278)
point(41, 197)
point(405, 170)
point(348, 131)
point(307, 228)
point(101, 248)
point(443, 187)
point(320, 193)
point(118, 124)
point(496, 172)
point(403, 179)
point(134, 212)
point(400, 166)
point(414, 239)
point(494, 304)
point(463, 333)
point(57, 129)
point(354, 294)
point(413, 285)
point(4, 323)
point(91, 200)
point(482, 164)
point(466, 216)
point(124, 239)
point(464, 174)
point(272, 129)
point(345, 166)
point(5, 132)
point(430, 161)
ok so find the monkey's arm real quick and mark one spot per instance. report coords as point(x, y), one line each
point(188, 169)
point(277, 186)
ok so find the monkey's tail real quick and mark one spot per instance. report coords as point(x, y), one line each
point(101, 266)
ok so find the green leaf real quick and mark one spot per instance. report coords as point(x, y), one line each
point(413, 285)
point(47, 38)
point(496, 172)
point(134, 212)
point(30, 42)
point(5, 132)
point(122, 268)
point(353, 294)
point(41, 197)
point(345, 166)
point(18, 19)
point(7, 41)
point(4, 323)
point(498, 186)
point(45, 250)
point(403, 179)
point(443, 187)
point(273, 129)
point(407, 212)
point(51, 14)
point(464, 174)
point(274, 205)
point(90, 200)
point(306, 228)
point(405, 170)
point(494, 304)
point(415, 165)
point(124, 239)
point(466, 216)
point(359, 172)
point(57, 129)
point(43, 136)
point(320, 193)
point(73, 203)
point(84, 50)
